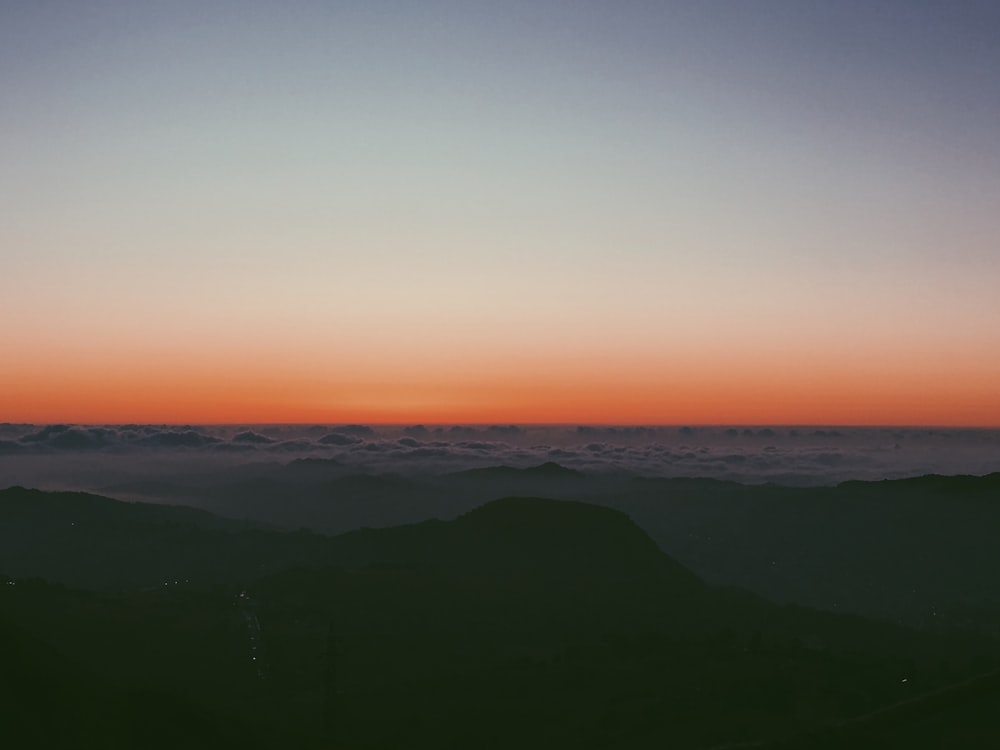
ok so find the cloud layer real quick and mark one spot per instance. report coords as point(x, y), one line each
point(29, 454)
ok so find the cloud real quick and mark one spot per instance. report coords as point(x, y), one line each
point(234, 448)
point(356, 429)
point(46, 433)
point(251, 437)
point(188, 438)
point(339, 438)
point(313, 429)
point(506, 430)
point(427, 452)
point(71, 438)
point(293, 446)
point(731, 458)
point(827, 459)
point(628, 434)
point(476, 445)
point(10, 446)
point(760, 454)
point(324, 463)
point(14, 429)
point(562, 453)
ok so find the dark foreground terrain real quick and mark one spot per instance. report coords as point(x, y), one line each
point(523, 622)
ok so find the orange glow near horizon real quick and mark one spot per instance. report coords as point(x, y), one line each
point(324, 217)
point(540, 394)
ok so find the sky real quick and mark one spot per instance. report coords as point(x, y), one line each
point(634, 212)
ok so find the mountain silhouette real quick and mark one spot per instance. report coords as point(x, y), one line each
point(536, 622)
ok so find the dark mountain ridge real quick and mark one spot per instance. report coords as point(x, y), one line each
point(916, 551)
point(88, 540)
point(536, 622)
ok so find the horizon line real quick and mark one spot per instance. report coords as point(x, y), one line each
point(496, 423)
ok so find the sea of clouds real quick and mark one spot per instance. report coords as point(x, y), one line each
point(61, 456)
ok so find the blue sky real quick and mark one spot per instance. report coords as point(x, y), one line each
point(548, 187)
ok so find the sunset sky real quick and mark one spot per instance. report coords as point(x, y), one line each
point(621, 212)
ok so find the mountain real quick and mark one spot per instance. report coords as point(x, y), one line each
point(915, 551)
point(90, 541)
point(82, 670)
point(95, 542)
point(526, 622)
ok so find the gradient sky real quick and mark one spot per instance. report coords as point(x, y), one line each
point(633, 212)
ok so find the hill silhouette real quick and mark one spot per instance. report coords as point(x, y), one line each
point(84, 671)
point(536, 622)
point(912, 551)
point(87, 540)
point(915, 550)
point(520, 534)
